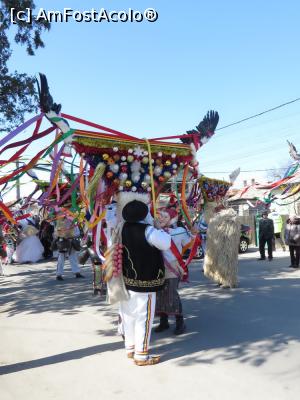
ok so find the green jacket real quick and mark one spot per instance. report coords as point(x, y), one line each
point(278, 223)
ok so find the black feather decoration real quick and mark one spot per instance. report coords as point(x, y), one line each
point(46, 101)
point(204, 130)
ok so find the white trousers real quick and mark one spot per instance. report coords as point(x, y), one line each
point(138, 314)
point(73, 261)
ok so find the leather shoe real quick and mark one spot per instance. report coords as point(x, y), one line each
point(78, 275)
point(151, 360)
point(59, 278)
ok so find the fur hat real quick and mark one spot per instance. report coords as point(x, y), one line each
point(135, 211)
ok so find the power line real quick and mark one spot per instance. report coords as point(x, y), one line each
point(259, 114)
point(249, 170)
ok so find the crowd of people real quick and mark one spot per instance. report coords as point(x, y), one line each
point(151, 269)
point(270, 232)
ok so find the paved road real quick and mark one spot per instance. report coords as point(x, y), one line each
point(58, 341)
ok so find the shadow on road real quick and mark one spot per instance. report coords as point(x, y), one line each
point(249, 323)
point(59, 358)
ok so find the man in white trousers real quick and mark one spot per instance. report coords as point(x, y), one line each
point(66, 232)
point(144, 275)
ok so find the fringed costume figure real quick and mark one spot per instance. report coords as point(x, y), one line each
point(221, 258)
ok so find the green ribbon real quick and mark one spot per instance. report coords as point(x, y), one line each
point(58, 140)
point(179, 201)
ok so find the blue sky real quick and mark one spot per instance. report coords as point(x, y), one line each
point(159, 79)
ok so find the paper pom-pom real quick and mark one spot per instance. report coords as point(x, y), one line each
point(130, 158)
point(124, 168)
point(123, 176)
point(134, 189)
point(145, 160)
point(116, 157)
point(161, 179)
point(174, 166)
point(105, 156)
point(157, 170)
point(115, 149)
point(135, 177)
point(135, 166)
point(130, 151)
point(167, 174)
point(159, 154)
point(168, 163)
point(123, 158)
point(114, 168)
point(109, 174)
point(147, 178)
point(145, 153)
point(128, 183)
point(144, 185)
point(149, 189)
point(173, 155)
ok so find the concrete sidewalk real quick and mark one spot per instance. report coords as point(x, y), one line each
point(59, 341)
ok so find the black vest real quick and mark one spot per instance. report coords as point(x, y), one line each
point(143, 265)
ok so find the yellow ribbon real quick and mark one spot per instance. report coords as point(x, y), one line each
point(98, 219)
point(151, 178)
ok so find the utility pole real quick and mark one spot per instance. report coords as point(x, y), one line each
point(18, 191)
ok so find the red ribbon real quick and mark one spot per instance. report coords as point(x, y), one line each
point(25, 168)
point(29, 140)
point(104, 128)
point(184, 265)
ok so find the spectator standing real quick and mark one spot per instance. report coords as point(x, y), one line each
point(292, 239)
point(266, 235)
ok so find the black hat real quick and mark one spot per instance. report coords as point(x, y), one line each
point(135, 211)
point(265, 213)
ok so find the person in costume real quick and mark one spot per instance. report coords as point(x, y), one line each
point(266, 235)
point(144, 274)
point(278, 224)
point(68, 246)
point(168, 301)
point(2, 251)
point(10, 236)
point(202, 226)
point(292, 239)
point(221, 257)
point(46, 237)
point(30, 249)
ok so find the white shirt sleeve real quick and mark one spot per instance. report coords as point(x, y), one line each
point(158, 238)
